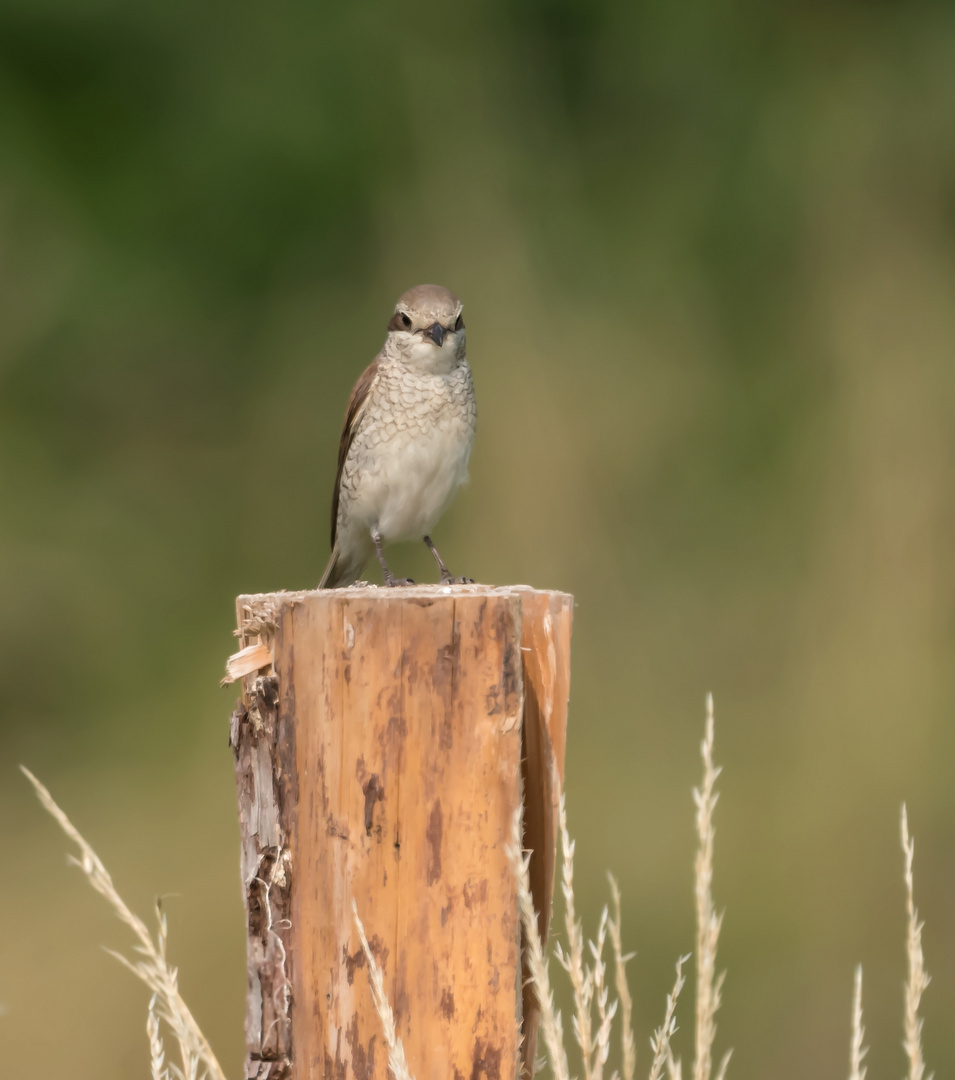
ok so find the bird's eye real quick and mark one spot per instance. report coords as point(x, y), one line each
point(459, 325)
point(405, 321)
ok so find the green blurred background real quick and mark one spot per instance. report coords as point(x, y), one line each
point(708, 258)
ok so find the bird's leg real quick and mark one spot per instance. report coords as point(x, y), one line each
point(390, 579)
point(446, 576)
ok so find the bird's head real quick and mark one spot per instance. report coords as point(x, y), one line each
point(427, 328)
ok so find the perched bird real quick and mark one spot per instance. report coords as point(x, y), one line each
point(407, 438)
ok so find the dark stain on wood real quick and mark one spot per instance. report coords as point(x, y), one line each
point(487, 1060)
point(352, 962)
point(379, 950)
point(337, 828)
point(362, 1060)
point(433, 834)
point(335, 1070)
point(475, 894)
point(374, 792)
point(448, 654)
point(443, 678)
point(402, 1001)
point(446, 733)
point(447, 1004)
point(492, 701)
point(411, 669)
point(285, 736)
point(512, 669)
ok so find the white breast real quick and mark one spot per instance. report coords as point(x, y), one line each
point(411, 453)
point(420, 477)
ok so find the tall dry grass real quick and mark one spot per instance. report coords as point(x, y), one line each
point(585, 976)
point(583, 962)
point(197, 1061)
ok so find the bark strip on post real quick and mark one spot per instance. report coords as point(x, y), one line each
point(379, 756)
point(261, 742)
point(545, 643)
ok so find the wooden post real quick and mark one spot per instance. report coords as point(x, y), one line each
point(382, 740)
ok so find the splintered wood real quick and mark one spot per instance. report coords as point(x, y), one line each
point(380, 748)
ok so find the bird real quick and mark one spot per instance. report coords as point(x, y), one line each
point(407, 438)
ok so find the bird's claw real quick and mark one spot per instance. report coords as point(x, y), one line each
point(450, 579)
point(397, 582)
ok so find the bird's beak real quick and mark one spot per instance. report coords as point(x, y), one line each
point(436, 332)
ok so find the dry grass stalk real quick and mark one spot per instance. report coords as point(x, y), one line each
point(551, 1025)
point(581, 977)
point(660, 1040)
point(606, 1010)
point(918, 978)
point(856, 1050)
point(157, 1054)
point(708, 984)
point(153, 969)
point(628, 1046)
point(396, 1052)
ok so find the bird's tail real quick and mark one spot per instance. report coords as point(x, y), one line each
point(342, 569)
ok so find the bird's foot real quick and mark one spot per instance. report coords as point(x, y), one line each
point(393, 582)
point(448, 578)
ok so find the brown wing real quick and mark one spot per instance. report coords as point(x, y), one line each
point(356, 406)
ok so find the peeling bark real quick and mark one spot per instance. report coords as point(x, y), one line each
point(264, 769)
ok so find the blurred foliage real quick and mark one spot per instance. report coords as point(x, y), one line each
point(708, 258)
